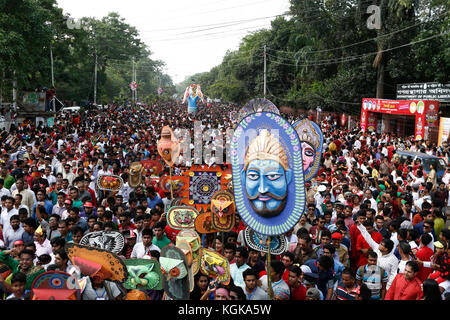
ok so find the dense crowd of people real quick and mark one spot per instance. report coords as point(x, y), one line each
point(375, 226)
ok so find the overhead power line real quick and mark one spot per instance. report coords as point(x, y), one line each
point(356, 43)
point(216, 24)
point(351, 58)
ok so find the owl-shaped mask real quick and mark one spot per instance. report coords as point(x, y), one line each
point(175, 271)
point(168, 146)
point(223, 210)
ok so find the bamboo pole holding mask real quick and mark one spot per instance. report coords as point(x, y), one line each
point(269, 271)
point(171, 184)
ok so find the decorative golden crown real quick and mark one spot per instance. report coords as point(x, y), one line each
point(308, 134)
point(266, 147)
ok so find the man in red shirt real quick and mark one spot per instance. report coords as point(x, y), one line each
point(317, 230)
point(362, 246)
point(390, 149)
point(406, 286)
point(338, 143)
point(288, 261)
point(354, 233)
point(125, 222)
point(424, 254)
point(298, 290)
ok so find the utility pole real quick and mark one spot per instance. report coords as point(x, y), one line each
point(159, 85)
point(1, 91)
point(265, 71)
point(135, 80)
point(14, 91)
point(53, 75)
point(133, 92)
point(95, 78)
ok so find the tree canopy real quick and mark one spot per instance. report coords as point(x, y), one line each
point(31, 29)
point(323, 54)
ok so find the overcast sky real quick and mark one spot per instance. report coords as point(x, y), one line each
point(175, 31)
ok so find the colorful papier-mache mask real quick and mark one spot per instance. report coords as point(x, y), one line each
point(175, 273)
point(257, 105)
point(109, 183)
point(55, 285)
point(223, 210)
point(268, 184)
point(256, 241)
point(215, 266)
point(143, 274)
point(168, 146)
point(151, 167)
point(187, 250)
point(311, 139)
point(112, 241)
point(94, 261)
point(182, 217)
point(193, 239)
point(135, 179)
point(204, 224)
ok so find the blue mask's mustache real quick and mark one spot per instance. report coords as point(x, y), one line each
point(267, 194)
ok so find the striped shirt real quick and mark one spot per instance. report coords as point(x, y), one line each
point(373, 277)
point(341, 292)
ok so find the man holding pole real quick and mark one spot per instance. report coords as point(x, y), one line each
point(280, 288)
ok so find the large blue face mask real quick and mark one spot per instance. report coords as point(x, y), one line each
point(266, 184)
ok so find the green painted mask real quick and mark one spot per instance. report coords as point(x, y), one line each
point(143, 274)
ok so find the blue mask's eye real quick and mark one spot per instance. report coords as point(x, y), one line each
point(273, 177)
point(253, 176)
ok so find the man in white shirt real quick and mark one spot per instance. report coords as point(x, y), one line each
point(13, 233)
point(142, 249)
point(7, 212)
point(368, 196)
point(386, 258)
point(3, 190)
point(236, 269)
point(28, 197)
point(139, 223)
point(59, 207)
point(125, 191)
point(357, 145)
point(251, 290)
point(384, 150)
point(48, 176)
point(18, 203)
point(43, 245)
point(319, 197)
point(424, 196)
point(446, 177)
point(68, 174)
